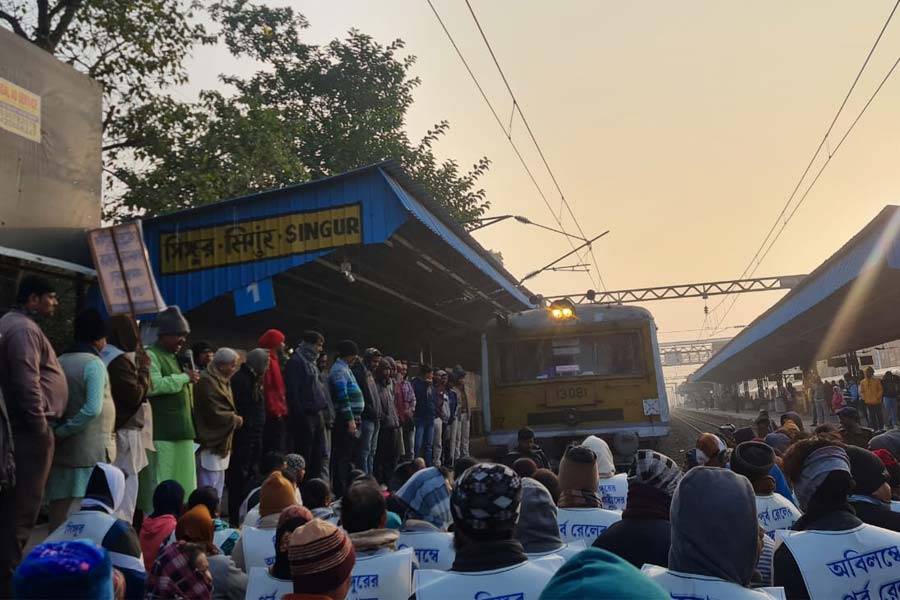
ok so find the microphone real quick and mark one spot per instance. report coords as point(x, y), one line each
point(189, 354)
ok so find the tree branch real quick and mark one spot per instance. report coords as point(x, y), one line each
point(15, 24)
point(71, 7)
point(119, 145)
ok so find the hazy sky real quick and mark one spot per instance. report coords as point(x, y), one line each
point(680, 126)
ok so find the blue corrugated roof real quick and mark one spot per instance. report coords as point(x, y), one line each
point(875, 248)
point(444, 232)
point(384, 206)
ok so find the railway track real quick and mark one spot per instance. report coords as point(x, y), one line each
point(687, 424)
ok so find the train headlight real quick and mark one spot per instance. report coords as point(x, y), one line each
point(562, 309)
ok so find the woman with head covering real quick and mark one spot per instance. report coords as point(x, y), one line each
point(168, 499)
point(276, 581)
point(613, 488)
point(96, 521)
point(255, 545)
point(181, 572)
point(715, 538)
point(600, 574)
point(489, 561)
point(871, 499)
point(77, 569)
point(427, 495)
point(537, 529)
point(643, 536)
point(581, 515)
point(196, 526)
point(225, 537)
point(829, 531)
point(85, 434)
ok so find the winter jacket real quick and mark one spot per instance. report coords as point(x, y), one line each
point(303, 387)
point(426, 402)
point(32, 380)
point(405, 399)
point(640, 541)
point(247, 391)
point(871, 391)
point(345, 391)
point(129, 387)
point(154, 531)
point(389, 418)
point(372, 410)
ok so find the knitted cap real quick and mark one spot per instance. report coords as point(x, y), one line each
point(171, 321)
point(271, 339)
point(486, 498)
point(77, 569)
point(578, 470)
point(866, 469)
point(778, 441)
point(595, 573)
point(322, 557)
point(752, 459)
point(347, 348)
point(295, 464)
point(656, 470)
point(275, 494)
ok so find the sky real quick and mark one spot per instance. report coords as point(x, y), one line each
point(682, 127)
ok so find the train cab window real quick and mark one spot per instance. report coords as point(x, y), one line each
point(613, 354)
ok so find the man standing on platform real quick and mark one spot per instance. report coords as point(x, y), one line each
point(36, 393)
point(170, 400)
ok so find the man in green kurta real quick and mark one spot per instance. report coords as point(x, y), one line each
point(171, 403)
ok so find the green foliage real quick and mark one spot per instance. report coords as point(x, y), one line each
point(310, 111)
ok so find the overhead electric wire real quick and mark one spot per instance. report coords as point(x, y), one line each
point(762, 247)
point(506, 133)
point(518, 109)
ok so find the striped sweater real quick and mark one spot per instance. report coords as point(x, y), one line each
point(345, 391)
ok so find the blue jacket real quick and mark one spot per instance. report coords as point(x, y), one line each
point(425, 401)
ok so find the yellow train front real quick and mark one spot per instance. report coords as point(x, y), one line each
point(568, 371)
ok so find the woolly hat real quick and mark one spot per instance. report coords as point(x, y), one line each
point(322, 557)
point(291, 518)
point(866, 469)
point(486, 499)
point(77, 569)
point(849, 412)
point(270, 339)
point(752, 459)
point(258, 359)
point(275, 494)
point(578, 470)
point(196, 526)
point(537, 529)
point(295, 464)
point(596, 573)
point(172, 322)
point(89, 326)
point(656, 470)
point(346, 348)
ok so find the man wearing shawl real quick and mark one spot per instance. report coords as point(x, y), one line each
point(216, 419)
point(96, 521)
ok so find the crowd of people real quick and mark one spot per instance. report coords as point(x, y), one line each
point(218, 473)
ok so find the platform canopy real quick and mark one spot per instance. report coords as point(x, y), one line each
point(848, 303)
point(367, 255)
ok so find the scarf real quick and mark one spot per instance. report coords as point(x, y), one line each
point(580, 499)
point(375, 539)
point(273, 388)
point(646, 502)
point(105, 489)
point(196, 526)
point(427, 497)
point(815, 469)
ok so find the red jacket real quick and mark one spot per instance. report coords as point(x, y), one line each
point(273, 382)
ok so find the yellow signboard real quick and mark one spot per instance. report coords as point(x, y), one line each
point(20, 111)
point(259, 239)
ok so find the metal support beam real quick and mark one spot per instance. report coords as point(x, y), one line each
point(696, 352)
point(689, 290)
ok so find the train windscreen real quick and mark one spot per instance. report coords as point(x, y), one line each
point(604, 355)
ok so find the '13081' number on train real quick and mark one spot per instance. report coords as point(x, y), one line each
point(571, 393)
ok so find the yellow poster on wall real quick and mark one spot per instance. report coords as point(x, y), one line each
point(20, 111)
point(259, 239)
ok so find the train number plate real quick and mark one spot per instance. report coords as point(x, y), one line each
point(570, 395)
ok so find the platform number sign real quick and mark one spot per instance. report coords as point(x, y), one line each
point(254, 297)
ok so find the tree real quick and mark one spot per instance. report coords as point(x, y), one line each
point(134, 48)
point(311, 111)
